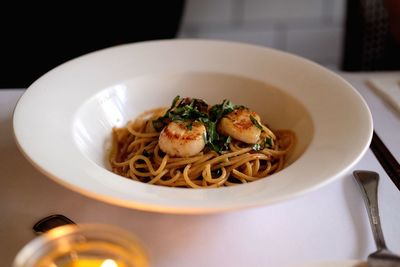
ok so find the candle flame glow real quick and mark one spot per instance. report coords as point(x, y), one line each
point(109, 263)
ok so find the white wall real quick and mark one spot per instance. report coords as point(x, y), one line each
point(309, 28)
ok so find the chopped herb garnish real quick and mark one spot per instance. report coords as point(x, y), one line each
point(191, 110)
point(256, 123)
point(176, 99)
point(256, 147)
point(268, 142)
point(214, 140)
point(220, 110)
point(186, 110)
point(158, 124)
point(201, 105)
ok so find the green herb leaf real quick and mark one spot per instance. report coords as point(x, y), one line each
point(256, 123)
point(256, 147)
point(191, 110)
point(268, 142)
point(158, 124)
point(215, 141)
point(186, 110)
point(220, 110)
point(176, 99)
point(161, 122)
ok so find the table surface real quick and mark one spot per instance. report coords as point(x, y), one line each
point(327, 224)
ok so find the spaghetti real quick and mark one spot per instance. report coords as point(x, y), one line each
point(224, 160)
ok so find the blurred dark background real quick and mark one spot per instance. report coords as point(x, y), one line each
point(372, 35)
point(37, 38)
point(343, 35)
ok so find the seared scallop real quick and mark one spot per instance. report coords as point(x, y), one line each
point(239, 126)
point(182, 139)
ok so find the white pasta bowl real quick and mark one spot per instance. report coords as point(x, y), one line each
point(63, 122)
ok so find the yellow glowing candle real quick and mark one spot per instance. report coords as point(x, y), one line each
point(94, 263)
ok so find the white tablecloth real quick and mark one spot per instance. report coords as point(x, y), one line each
point(328, 224)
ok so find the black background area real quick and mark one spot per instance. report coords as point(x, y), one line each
point(35, 39)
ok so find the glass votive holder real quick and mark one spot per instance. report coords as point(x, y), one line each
point(83, 245)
